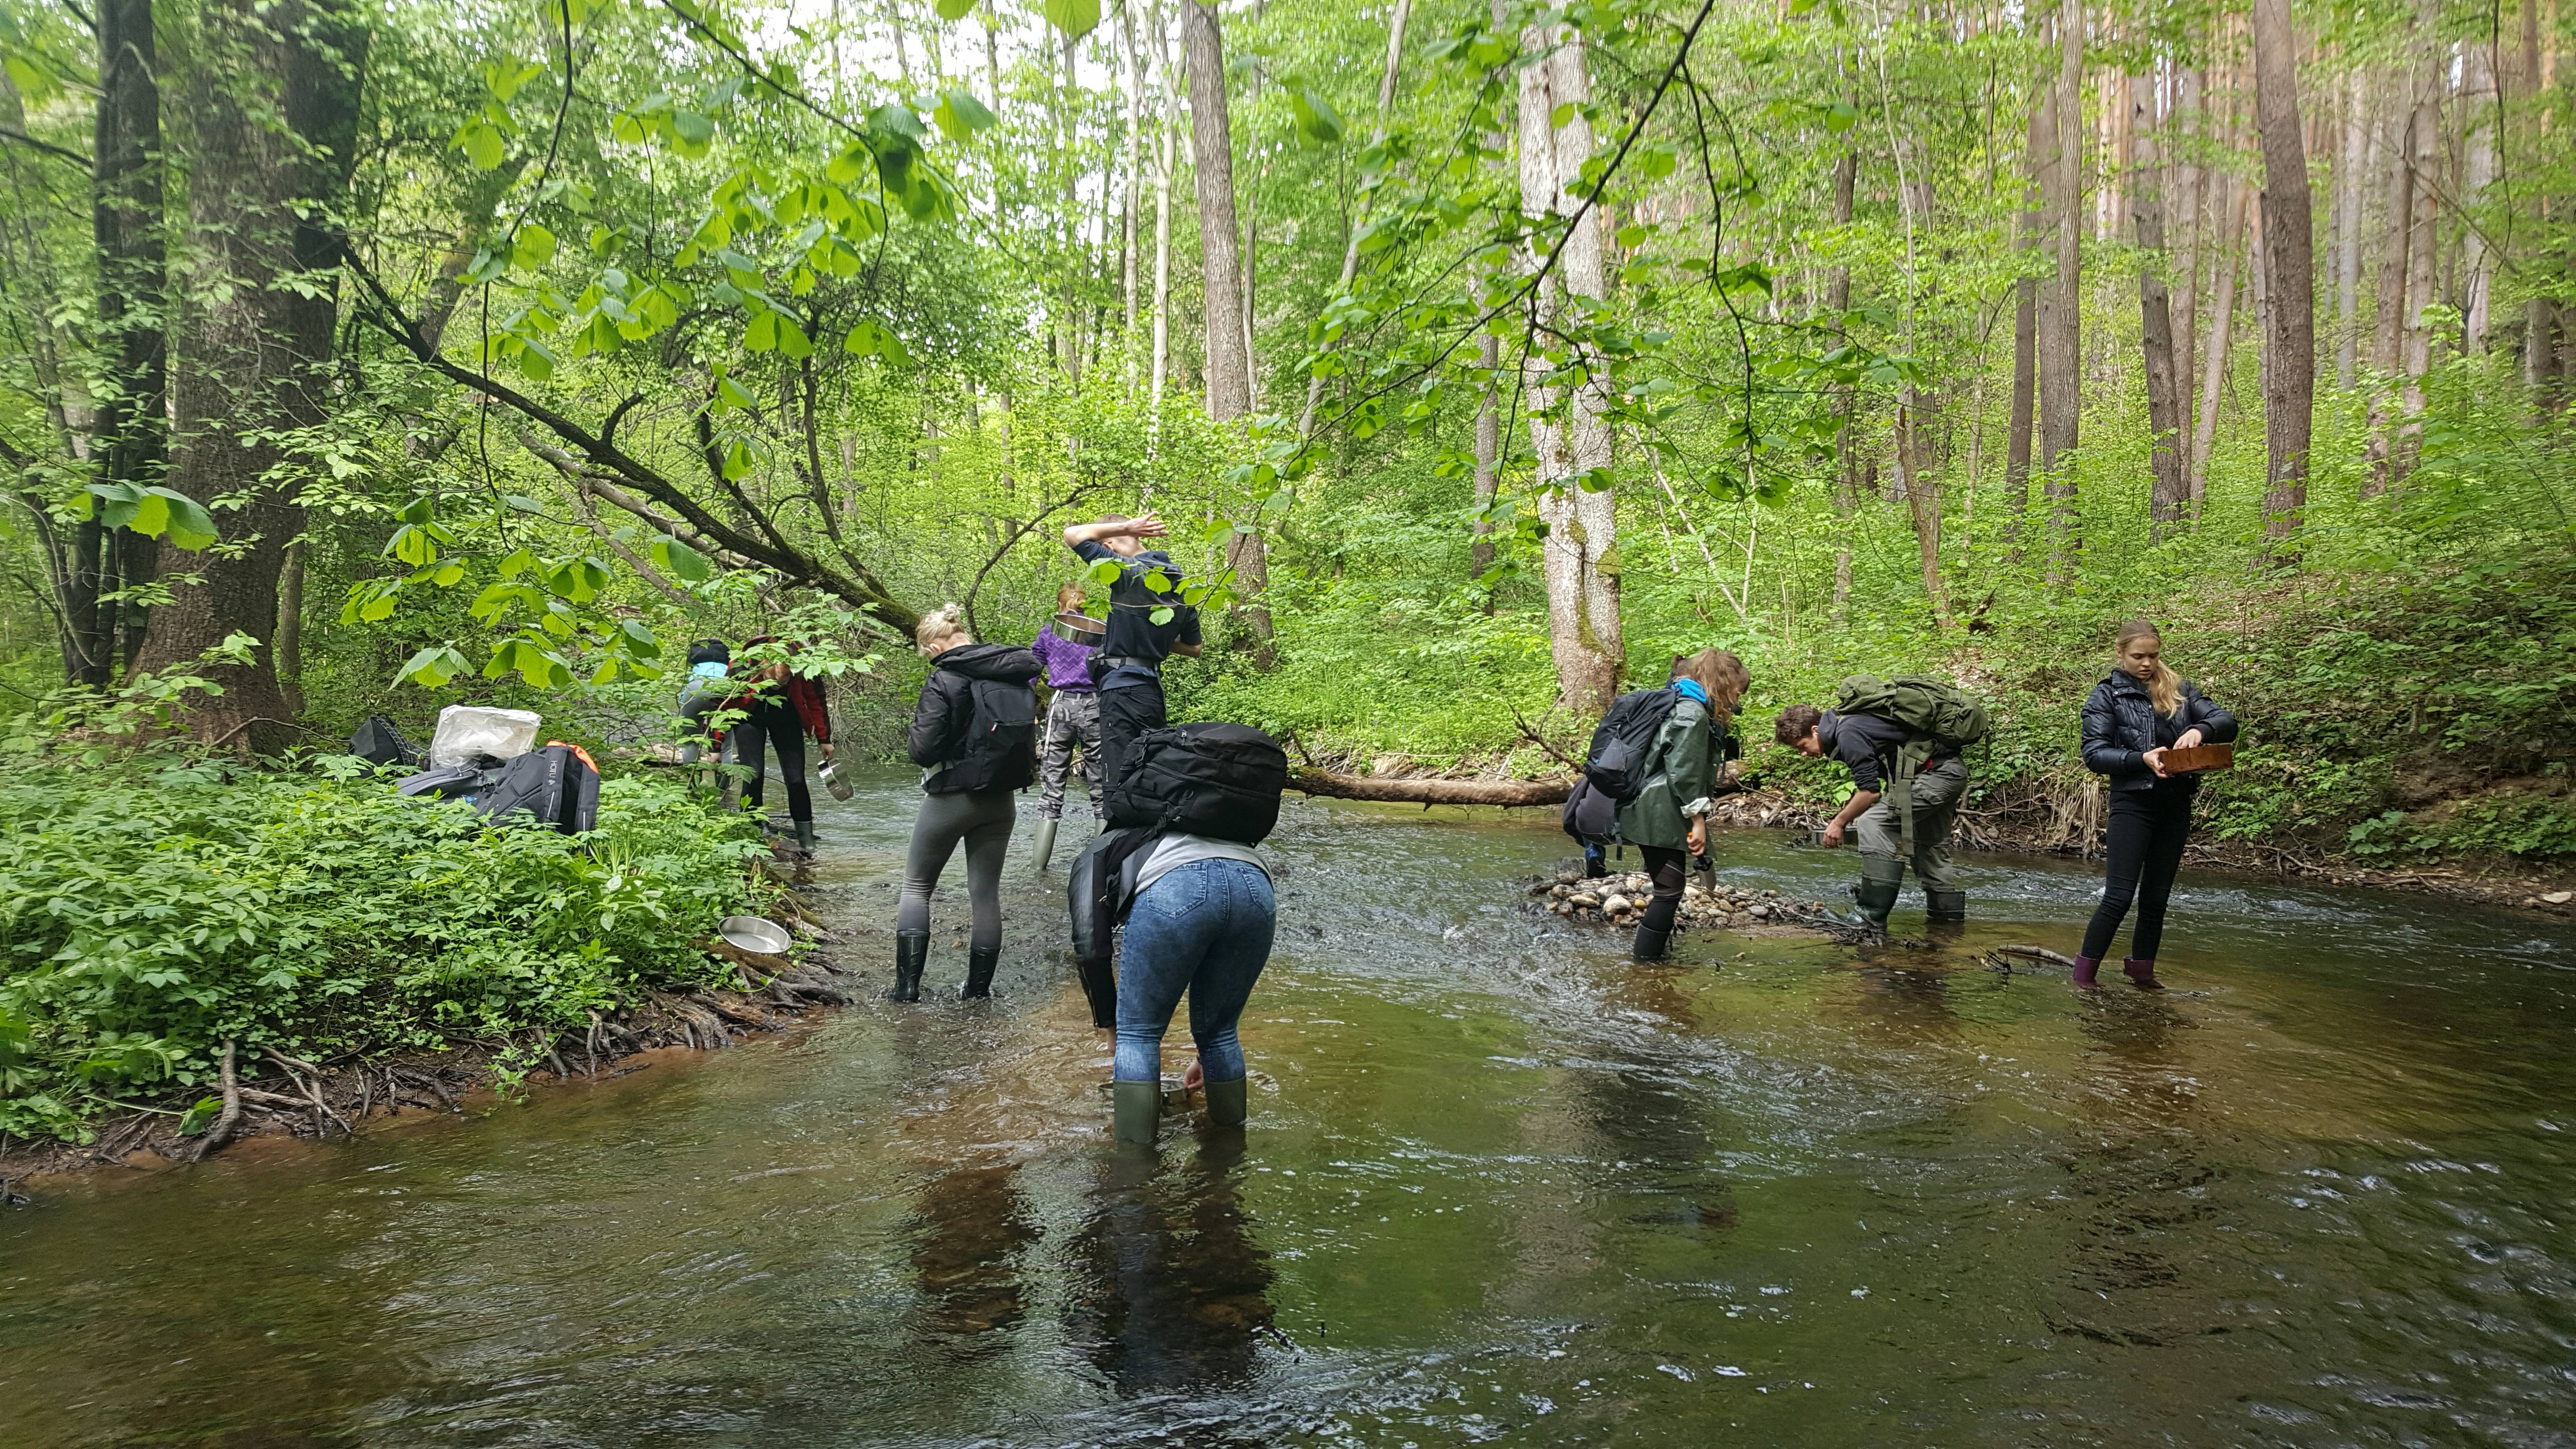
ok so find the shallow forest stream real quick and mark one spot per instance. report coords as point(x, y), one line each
point(1499, 1185)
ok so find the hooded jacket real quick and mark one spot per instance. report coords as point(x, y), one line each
point(941, 718)
point(2121, 725)
point(1678, 783)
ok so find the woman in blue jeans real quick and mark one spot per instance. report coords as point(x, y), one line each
point(1201, 924)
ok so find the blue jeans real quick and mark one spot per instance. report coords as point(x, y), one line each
point(1205, 929)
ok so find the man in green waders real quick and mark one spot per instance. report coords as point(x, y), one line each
point(1901, 739)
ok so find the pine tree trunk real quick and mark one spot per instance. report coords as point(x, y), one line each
point(2155, 314)
point(2061, 300)
point(2289, 265)
point(1566, 433)
point(275, 94)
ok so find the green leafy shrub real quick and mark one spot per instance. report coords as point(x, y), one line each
point(151, 912)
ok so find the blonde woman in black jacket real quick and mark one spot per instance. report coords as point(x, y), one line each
point(2136, 714)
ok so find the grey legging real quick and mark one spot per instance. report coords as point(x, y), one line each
point(981, 818)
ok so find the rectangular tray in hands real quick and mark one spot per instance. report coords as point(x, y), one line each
point(2199, 759)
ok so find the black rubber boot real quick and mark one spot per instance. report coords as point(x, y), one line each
point(1876, 893)
point(1228, 1102)
point(980, 962)
point(1651, 943)
point(1045, 845)
point(1945, 908)
point(911, 953)
point(1135, 1112)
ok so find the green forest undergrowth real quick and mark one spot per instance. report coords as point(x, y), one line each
point(155, 910)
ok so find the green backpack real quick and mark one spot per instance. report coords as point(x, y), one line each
point(1931, 710)
point(1938, 718)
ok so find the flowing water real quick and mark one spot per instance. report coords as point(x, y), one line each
point(1499, 1185)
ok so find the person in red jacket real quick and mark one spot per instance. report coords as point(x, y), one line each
point(779, 708)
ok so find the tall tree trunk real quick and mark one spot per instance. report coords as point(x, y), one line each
point(2061, 301)
point(2188, 214)
point(2155, 315)
point(2030, 225)
point(1567, 433)
point(130, 442)
point(1229, 367)
point(1133, 181)
point(2538, 312)
point(2477, 171)
point(2423, 256)
point(2388, 321)
point(1922, 504)
point(2229, 200)
point(2351, 168)
point(1068, 322)
point(275, 92)
point(2290, 270)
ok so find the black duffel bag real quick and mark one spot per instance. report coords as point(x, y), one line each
point(1218, 780)
point(555, 784)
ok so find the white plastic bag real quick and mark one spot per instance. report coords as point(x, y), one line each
point(468, 730)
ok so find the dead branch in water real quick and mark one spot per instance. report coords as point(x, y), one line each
point(1429, 792)
point(2034, 953)
point(222, 1130)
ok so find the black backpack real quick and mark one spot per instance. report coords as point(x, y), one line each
point(378, 742)
point(1218, 780)
point(447, 782)
point(554, 784)
point(1099, 889)
point(1001, 741)
point(1623, 745)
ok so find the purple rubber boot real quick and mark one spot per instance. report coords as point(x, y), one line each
point(2085, 966)
point(2142, 972)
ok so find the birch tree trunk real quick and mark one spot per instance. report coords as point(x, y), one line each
point(1489, 459)
point(2423, 259)
point(2477, 172)
point(2350, 167)
point(2187, 214)
point(2155, 315)
point(275, 94)
point(1566, 433)
point(1837, 302)
point(1164, 159)
point(2290, 272)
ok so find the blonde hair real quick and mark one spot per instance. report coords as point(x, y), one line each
point(1720, 673)
point(941, 630)
point(1068, 600)
point(2164, 687)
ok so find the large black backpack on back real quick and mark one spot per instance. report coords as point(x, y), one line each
point(1217, 780)
point(554, 784)
point(1001, 741)
point(1623, 745)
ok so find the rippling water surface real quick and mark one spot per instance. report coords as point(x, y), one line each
point(1499, 1186)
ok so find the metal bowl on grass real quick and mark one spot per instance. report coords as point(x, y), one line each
point(751, 933)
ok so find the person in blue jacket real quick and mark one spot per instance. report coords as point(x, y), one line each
point(2138, 712)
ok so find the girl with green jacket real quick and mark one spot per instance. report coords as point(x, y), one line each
point(1668, 819)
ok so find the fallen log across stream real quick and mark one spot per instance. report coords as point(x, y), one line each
point(1402, 791)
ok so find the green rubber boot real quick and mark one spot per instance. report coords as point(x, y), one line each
point(1044, 847)
point(1136, 1112)
point(805, 837)
point(1945, 908)
point(1876, 893)
point(1228, 1102)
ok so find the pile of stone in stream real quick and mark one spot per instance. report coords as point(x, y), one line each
point(1619, 899)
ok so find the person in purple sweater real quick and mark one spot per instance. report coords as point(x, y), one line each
point(1064, 649)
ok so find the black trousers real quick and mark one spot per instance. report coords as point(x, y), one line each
point(1125, 713)
point(784, 732)
point(1667, 869)
point(2148, 831)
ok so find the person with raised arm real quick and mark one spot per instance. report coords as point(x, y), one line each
point(1130, 663)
